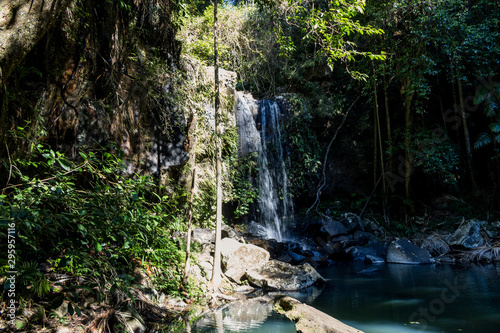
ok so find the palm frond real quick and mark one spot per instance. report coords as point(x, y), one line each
point(487, 254)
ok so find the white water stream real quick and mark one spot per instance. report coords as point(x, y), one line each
point(275, 203)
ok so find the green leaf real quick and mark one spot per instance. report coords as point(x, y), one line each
point(98, 247)
point(64, 164)
point(71, 311)
point(82, 229)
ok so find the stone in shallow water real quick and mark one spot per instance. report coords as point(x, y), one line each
point(277, 275)
point(402, 251)
point(308, 319)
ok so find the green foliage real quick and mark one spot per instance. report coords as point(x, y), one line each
point(489, 97)
point(89, 218)
point(304, 147)
point(435, 153)
point(243, 192)
point(329, 25)
point(247, 44)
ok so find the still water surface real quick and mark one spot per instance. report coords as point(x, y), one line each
point(385, 299)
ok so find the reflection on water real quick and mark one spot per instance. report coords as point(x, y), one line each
point(254, 315)
point(395, 298)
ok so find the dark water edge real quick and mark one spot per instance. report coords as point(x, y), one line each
point(384, 299)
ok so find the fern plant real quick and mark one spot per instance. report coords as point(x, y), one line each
point(489, 97)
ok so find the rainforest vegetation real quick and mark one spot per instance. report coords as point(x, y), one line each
point(107, 107)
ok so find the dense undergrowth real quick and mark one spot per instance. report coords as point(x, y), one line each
point(86, 218)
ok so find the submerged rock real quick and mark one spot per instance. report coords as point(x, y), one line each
point(237, 257)
point(277, 275)
point(468, 235)
point(308, 319)
point(402, 251)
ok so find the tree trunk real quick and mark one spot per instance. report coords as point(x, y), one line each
point(216, 272)
point(379, 131)
point(375, 132)
point(408, 156)
point(466, 134)
point(388, 124)
point(22, 24)
point(188, 237)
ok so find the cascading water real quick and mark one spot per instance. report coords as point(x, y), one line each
point(275, 203)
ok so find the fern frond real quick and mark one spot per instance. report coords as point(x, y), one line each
point(491, 107)
point(495, 127)
point(483, 140)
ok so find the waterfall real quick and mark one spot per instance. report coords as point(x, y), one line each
point(275, 207)
point(275, 204)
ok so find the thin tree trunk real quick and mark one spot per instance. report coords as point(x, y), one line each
point(375, 132)
point(388, 123)
point(455, 106)
point(188, 238)
point(442, 113)
point(466, 133)
point(408, 156)
point(379, 130)
point(216, 272)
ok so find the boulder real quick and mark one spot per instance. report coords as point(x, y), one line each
point(370, 259)
point(334, 228)
point(203, 236)
point(402, 251)
point(228, 232)
point(435, 245)
point(468, 235)
point(352, 222)
point(373, 228)
point(359, 253)
point(376, 250)
point(237, 257)
point(272, 246)
point(277, 275)
point(204, 259)
point(308, 319)
point(362, 237)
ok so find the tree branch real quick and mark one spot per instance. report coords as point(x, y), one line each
point(323, 180)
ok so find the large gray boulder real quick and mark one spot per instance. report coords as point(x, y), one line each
point(277, 275)
point(308, 319)
point(203, 236)
point(237, 258)
point(402, 251)
point(468, 235)
point(333, 228)
point(435, 245)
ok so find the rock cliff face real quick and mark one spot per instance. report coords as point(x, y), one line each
point(22, 25)
point(95, 78)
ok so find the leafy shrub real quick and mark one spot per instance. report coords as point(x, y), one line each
point(88, 218)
